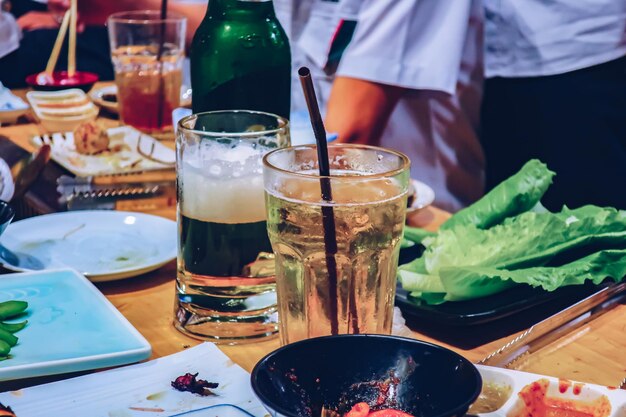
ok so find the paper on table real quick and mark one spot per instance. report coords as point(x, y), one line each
point(145, 390)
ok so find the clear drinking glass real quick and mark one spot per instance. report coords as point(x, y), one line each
point(225, 279)
point(147, 54)
point(355, 294)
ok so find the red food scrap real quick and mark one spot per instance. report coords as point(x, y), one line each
point(564, 385)
point(578, 388)
point(389, 412)
point(536, 403)
point(188, 382)
point(359, 410)
point(363, 410)
point(6, 411)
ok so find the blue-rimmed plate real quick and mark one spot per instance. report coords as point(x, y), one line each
point(103, 245)
point(71, 327)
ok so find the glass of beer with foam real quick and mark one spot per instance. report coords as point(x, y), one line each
point(225, 275)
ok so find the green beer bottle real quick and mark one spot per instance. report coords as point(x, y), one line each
point(240, 59)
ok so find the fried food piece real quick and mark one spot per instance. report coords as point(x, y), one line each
point(90, 138)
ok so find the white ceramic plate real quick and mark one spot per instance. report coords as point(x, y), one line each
point(424, 196)
point(97, 96)
point(71, 327)
point(11, 106)
point(103, 245)
point(125, 160)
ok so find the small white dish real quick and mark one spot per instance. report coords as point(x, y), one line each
point(106, 97)
point(11, 106)
point(131, 147)
point(60, 111)
point(103, 245)
point(424, 197)
point(543, 392)
point(71, 327)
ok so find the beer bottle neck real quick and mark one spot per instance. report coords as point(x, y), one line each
point(241, 9)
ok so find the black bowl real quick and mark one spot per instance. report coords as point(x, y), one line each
point(336, 372)
point(6, 215)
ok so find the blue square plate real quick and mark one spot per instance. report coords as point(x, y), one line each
point(71, 327)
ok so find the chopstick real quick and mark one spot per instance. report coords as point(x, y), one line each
point(54, 56)
point(71, 58)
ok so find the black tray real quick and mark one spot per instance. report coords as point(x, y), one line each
point(486, 309)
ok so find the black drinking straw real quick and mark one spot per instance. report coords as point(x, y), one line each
point(328, 216)
point(159, 55)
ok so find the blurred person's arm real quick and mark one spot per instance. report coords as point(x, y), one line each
point(37, 20)
point(96, 12)
point(397, 46)
point(358, 110)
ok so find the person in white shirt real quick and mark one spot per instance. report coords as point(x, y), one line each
point(409, 79)
point(10, 34)
point(556, 90)
point(404, 74)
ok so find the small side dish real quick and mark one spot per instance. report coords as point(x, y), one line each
point(91, 150)
point(11, 106)
point(60, 80)
point(60, 111)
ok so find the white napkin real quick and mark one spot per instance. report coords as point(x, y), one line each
point(145, 390)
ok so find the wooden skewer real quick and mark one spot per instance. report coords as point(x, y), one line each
point(54, 56)
point(71, 58)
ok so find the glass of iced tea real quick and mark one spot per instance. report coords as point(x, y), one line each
point(225, 278)
point(147, 54)
point(336, 258)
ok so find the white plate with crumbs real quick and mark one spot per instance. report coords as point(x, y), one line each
point(103, 245)
point(423, 197)
point(129, 151)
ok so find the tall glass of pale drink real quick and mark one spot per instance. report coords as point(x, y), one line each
point(348, 286)
point(225, 279)
point(147, 54)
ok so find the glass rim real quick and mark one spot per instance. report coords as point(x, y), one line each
point(406, 162)
point(118, 17)
point(251, 134)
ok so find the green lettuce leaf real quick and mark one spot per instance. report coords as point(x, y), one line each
point(525, 241)
point(466, 282)
point(529, 239)
point(513, 196)
point(416, 234)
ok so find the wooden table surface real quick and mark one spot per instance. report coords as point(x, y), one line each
point(595, 353)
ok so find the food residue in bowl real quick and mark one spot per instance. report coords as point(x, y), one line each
point(536, 400)
point(362, 409)
point(491, 398)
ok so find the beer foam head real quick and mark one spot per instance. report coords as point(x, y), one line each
point(223, 183)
